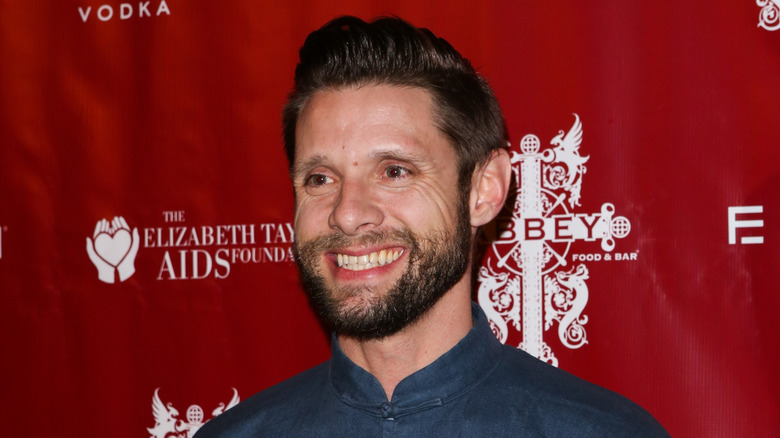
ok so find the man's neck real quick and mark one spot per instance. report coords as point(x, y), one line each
point(395, 357)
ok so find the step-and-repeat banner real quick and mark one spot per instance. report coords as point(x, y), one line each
point(146, 279)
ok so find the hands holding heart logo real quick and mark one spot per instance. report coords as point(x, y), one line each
point(113, 248)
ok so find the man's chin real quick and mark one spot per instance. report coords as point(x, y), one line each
point(358, 303)
point(361, 313)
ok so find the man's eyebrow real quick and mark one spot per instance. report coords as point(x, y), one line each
point(299, 169)
point(396, 155)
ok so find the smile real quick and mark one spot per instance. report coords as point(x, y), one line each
point(368, 261)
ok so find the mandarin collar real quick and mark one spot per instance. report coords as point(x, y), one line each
point(453, 374)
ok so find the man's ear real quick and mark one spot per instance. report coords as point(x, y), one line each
point(489, 188)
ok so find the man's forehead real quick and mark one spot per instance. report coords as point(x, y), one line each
point(374, 121)
point(371, 103)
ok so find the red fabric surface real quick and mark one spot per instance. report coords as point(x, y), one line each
point(171, 121)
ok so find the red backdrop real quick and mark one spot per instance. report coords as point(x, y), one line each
point(166, 114)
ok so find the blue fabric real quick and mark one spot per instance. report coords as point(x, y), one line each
point(480, 388)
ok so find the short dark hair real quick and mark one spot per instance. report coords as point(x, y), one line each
point(349, 52)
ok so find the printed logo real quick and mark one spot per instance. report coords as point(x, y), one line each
point(529, 280)
point(113, 249)
point(124, 11)
point(769, 17)
point(197, 252)
point(168, 425)
point(187, 252)
point(735, 223)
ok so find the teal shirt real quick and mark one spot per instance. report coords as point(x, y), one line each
point(480, 388)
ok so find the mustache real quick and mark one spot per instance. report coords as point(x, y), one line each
point(338, 240)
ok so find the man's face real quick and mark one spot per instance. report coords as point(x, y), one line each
point(382, 231)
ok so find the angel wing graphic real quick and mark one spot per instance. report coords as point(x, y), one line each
point(567, 151)
point(164, 417)
point(233, 401)
point(567, 176)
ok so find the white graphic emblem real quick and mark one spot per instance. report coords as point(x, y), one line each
point(521, 285)
point(167, 425)
point(113, 248)
point(769, 17)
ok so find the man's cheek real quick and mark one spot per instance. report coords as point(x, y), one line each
point(305, 225)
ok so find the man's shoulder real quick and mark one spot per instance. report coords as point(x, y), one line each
point(281, 401)
point(556, 399)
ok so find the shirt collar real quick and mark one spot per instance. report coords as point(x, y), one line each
point(453, 374)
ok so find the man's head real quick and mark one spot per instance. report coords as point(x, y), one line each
point(348, 52)
point(393, 145)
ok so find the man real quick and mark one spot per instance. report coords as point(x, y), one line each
point(397, 153)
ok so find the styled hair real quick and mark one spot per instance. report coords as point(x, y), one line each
point(349, 52)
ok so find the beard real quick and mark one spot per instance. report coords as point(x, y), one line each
point(436, 262)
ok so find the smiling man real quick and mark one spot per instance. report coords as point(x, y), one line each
point(397, 154)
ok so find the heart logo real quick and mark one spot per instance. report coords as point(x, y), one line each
point(114, 248)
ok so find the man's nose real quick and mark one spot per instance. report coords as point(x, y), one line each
point(355, 210)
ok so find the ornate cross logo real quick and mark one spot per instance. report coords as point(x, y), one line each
point(528, 282)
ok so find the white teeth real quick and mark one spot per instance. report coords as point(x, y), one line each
point(368, 261)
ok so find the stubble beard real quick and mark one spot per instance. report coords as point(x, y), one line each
point(436, 262)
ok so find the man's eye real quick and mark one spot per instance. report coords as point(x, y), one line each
point(317, 180)
point(396, 172)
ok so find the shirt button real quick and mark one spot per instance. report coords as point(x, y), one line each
point(386, 410)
